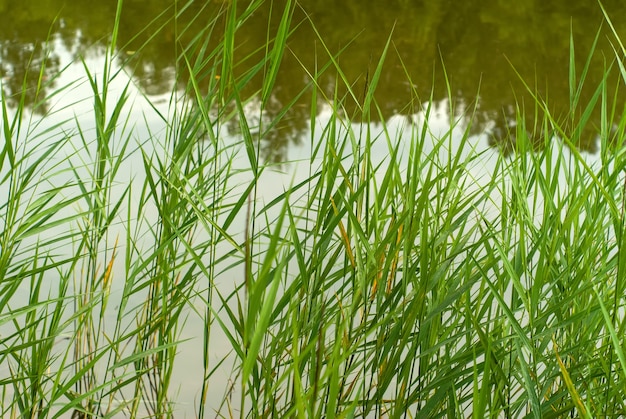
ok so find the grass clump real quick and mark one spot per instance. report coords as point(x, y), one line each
point(399, 274)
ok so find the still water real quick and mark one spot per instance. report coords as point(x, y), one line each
point(480, 54)
point(472, 55)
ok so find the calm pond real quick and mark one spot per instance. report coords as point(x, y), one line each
point(490, 61)
point(490, 51)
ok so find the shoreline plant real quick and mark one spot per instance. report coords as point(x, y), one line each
point(399, 274)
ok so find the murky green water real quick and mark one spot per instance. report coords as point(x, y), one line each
point(485, 47)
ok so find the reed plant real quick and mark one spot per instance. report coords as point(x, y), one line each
point(401, 273)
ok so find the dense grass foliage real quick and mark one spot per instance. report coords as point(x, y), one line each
point(401, 273)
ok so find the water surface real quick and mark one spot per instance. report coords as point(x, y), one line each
point(483, 55)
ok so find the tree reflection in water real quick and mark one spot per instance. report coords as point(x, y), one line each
point(486, 47)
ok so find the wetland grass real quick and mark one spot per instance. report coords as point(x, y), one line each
point(401, 274)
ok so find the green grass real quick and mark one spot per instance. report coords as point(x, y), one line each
point(436, 281)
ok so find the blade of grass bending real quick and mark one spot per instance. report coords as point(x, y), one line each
point(371, 87)
point(276, 55)
point(608, 20)
point(573, 96)
point(259, 308)
point(228, 56)
point(529, 384)
point(617, 345)
point(575, 91)
point(253, 158)
point(144, 354)
point(7, 150)
point(116, 26)
point(580, 407)
point(588, 111)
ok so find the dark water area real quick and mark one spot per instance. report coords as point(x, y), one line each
point(483, 55)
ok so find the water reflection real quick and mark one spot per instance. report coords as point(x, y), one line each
point(479, 43)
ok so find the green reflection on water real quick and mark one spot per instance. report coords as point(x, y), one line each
point(479, 42)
